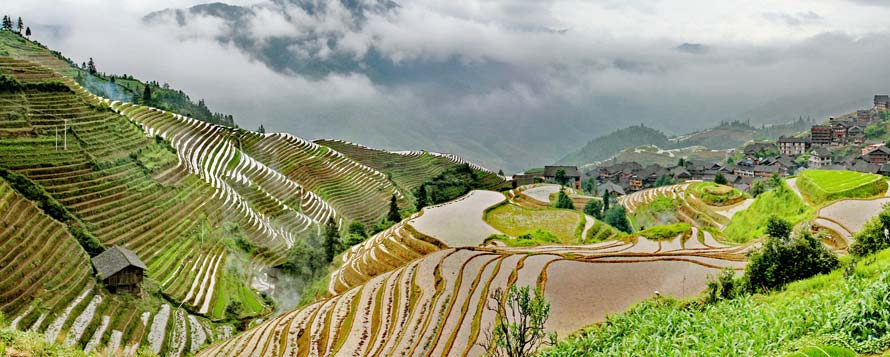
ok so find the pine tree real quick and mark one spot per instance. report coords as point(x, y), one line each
point(606, 200)
point(28, 31)
point(21, 25)
point(261, 130)
point(7, 23)
point(393, 215)
point(146, 94)
point(91, 66)
point(331, 239)
point(421, 196)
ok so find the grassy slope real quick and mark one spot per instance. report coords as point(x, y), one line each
point(782, 202)
point(803, 315)
point(716, 195)
point(661, 211)
point(515, 220)
point(169, 99)
point(821, 186)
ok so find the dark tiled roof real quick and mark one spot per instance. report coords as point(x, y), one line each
point(793, 140)
point(571, 171)
point(821, 151)
point(116, 259)
point(611, 186)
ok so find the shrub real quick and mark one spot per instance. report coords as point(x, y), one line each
point(863, 322)
point(594, 208)
point(722, 287)
point(617, 217)
point(873, 236)
point(666, 232)
point(781, 261)
point(563, 201)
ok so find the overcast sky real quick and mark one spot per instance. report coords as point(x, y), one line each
point(545, 75)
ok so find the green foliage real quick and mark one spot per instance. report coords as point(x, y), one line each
point(723, 287)
point(875, 131)
point(560, 177)
point(665, 180)
point(518, 329)
point(10, 84)
point(866, 323)
point(757, 187)
point(778, 228)
point(589, 186)
point(594, 208)
point(665, 232)
point(607, 200)
point(781, 261)
point(332, 245)
point(822, 186)
point(872, 237)
point(453, 183)
point(606, 146)
point(781, 202)
point(393, 215)
point(304, 259)
point(822, 351)
point(35, 193)
point(617, 217)
point(715, 194)
point(563, 201)
point(421, 195)
point(530, 239)
point(233, 310)
point(720, 179)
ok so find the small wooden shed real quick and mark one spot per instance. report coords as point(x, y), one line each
point(120, 270)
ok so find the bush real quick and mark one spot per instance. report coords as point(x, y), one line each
point(781, 261)
point(864, 321)
point(594, 208)
point(563, 201)
point(723, 287)
point(873, 236)
point(617, 217)
point(666, 232)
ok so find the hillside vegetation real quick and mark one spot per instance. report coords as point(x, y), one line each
point(821, 186)
point(781, 202)
point(605, 146)
point(823, 310)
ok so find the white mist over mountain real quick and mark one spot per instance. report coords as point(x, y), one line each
point(509, 84)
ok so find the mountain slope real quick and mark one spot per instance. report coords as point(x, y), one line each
point(606, 146)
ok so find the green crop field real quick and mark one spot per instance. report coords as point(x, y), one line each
point(515, 221)
point(716, 195)
point(781, 202)
point(821, 186)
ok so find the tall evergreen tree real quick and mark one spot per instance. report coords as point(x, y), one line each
point(146, 94)
point(331, 239)
point(393, 215)
point(261, 130)
point(21, 25)
point(422, 198)
point(28, 31)
point(7, 23)
point(91, 66)
point(606, 200)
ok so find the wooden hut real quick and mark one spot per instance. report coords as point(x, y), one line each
point(120, 270)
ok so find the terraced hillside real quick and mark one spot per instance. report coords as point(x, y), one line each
point(48, 286)
point(435, 305)
point(408, 169)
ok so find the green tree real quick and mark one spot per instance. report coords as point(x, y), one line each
point(589, 186)
point(304, 260)
point(563, 201)
point(778, 228)
point(7, 23)
point(561, 177)
point(607, 198)
point(28, 31)
point(872, 237)
point(782, 261)
point(775, 181)
point(356, 234)
point(617, 217)
point(261, 129)
point(91, 66)
point(520, 317)
point(21, 25)
point(664, 180)
point(594, 208)
point(757, 187)
point(393, 215)
point(146, 94)
point(720, 179)
point(422, 199)
point(332, 245)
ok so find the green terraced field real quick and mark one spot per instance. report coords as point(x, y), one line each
point(821, 186)
point(515, 221)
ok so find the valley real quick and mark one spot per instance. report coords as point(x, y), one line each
point(139, 225)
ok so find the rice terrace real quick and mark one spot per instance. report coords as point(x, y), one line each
point(373, 181)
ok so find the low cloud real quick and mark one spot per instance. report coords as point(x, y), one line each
point(510, 84)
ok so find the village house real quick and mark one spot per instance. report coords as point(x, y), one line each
point(838, 131)
point(878, 156)
point(864, 115)
point(821, 135)
point(792, 146)
point(525, 179)
point(882, 101)
point(571, 173)
point(819, 157)
point(120, 270)
point(869, 148)
point(613, 189)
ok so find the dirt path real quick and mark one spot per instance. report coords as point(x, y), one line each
point(792, 183)
point(459, 223)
